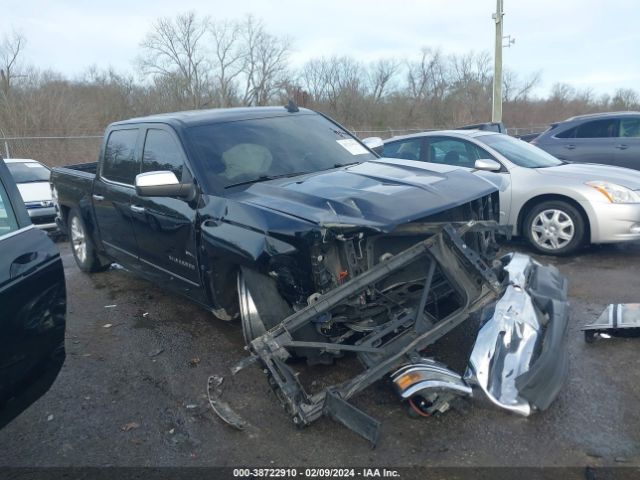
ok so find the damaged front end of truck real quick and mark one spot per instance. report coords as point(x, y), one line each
point(397, 293)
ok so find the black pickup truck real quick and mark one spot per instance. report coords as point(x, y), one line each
point(32, 305)
point(279, 216)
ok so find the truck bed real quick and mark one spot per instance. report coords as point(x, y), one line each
point(73, 185)
point(80, 168)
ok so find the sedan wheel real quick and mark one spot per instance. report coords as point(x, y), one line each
point(554, 228)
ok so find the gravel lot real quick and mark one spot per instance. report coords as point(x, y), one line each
point(134, 394)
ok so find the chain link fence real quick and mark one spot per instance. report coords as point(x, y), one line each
point(394, 132)
point(55, 151)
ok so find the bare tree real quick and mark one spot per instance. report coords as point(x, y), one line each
point(335, 80)
point(312, 76)
point(428, 78)
point(561, 93)
point(10, 49)
point(175, 50)
point(265, 62)
point(228, 58)
point(381, 73)
point(625, 99)
point(515, 89)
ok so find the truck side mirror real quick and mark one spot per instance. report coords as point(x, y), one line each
point(161, 184)
point(487, 164)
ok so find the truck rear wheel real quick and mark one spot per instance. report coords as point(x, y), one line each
point(84, 251)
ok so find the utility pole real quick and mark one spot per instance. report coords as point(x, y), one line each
point(496, 113)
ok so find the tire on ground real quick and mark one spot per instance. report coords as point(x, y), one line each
point(578, 222)
point(91, 261)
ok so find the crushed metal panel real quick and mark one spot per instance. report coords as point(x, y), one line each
point(618, 319)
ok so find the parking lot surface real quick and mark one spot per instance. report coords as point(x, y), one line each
point(133, 391)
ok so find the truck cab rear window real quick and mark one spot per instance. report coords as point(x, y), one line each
point(120, 164)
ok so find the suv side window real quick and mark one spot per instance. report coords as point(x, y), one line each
point(162, 152)
point(119, 163)
point(8, 222)
point(406, 149)
point(630, 127)
point(454, 152)
point(594, 129)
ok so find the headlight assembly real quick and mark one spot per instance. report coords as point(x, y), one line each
point(615, 193)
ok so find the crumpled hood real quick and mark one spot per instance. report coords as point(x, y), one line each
point(593, 172)
point(376, 194)
point(34, 192)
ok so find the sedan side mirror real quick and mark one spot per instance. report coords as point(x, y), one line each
point(374, 143)
point(161, 184)
point(487, 165)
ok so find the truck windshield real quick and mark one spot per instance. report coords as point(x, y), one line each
point(520, 152)
point(246, 151)
point(28, 172)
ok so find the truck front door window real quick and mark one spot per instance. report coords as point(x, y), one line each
point(161, 152)
point(164, 226)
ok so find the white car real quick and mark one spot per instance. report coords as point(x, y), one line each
point(557, 206)
point(32, 179)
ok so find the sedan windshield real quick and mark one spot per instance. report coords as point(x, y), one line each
point(248, 151)
point(519, 152)
point(28, 172)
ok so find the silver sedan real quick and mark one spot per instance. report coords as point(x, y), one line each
point(556, 206)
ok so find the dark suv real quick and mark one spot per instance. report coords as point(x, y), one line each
point(609, 138)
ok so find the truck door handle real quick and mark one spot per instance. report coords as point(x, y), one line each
point(25, 264)
point(98, 198)
point(622, 146)
point(137, 209)
point(571, 146)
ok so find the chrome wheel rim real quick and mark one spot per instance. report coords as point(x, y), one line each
point(252, 326)
point(552, 229)
point(78, 241)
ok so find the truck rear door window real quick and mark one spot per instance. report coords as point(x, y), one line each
point(8, 221)
point(119, 163)
point(162, 152)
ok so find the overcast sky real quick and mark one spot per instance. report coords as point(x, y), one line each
point(586, 43)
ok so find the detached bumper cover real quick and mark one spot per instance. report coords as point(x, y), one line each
point(520, 360)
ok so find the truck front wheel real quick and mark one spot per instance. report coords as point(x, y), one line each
point(83, 249)
point(262, 308)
